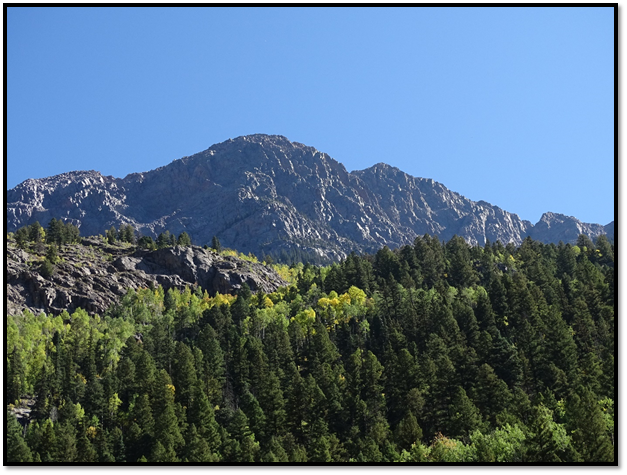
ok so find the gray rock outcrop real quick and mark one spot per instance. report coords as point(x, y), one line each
point(93, 275)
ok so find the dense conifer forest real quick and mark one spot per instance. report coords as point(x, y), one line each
point(434, 352)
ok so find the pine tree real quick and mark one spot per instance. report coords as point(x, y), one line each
point(408, 432)
point(85, 450)
point(440, 377)
point(202, 415)
point(460, 272)
point(65, 448)
point(47, 269)
point(401, 376)
point(605, 254)
point(278, 452)
point(213, 375)
point(184, 239)
point(128, 234)
point(273, 404)
point(464, 417)
point(163, 239)
point(167, 431)
point(16, 375)
point(36, 232)
point(159, 454)
point(21, 237)
point(215, 244)
point(320, 446)
point(588, 427)
point(112, 235)
point(566, 260)
point(54, 232)
point(17, 449)
point(254, 413)
point(118, 447)
point(145, 426)
point(490, 393)
point(184, 374)
point(241, 307)
point(246, 447)
point(196, 448)
point(146, 242)
point(52, 255)
point(126, 378)
point(430, 254)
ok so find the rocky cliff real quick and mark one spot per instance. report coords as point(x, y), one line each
point(267, 195)
point(554, 227)
point(93, 275)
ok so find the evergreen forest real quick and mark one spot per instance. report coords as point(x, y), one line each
point(433, 352)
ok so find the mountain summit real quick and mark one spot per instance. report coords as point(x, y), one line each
point(267, 195)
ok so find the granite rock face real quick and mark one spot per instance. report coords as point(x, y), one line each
point(93, 275)
point(554, 227)
point(264, 194)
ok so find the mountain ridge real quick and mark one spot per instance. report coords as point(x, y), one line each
point(267, 195)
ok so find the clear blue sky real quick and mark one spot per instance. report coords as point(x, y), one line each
point(513, 106)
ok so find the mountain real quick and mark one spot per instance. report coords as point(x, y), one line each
point(554, 227)
point(267, 195)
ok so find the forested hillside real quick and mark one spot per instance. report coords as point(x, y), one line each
point(434, 352)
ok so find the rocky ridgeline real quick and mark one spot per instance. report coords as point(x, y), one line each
point(266, 195)
point(93, 275)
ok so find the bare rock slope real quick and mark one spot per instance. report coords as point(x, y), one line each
point(93, 275)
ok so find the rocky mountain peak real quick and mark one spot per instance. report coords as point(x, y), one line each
point(267, 195)
point(554, 227)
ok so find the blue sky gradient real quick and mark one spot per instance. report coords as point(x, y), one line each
point(514, 106)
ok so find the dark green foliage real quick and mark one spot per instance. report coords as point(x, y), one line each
point(52, 254)
point(15, 375)
point(126, 233)
point(85, 451)
point(183, 374)
point(17, 450)
point(35, 232)
point(112, 235)
point(168, 436)
point(146, 242)
point(464, 416)
point(21, 237)
point(54, 233)
point(196, 447)
point(460, 270)
point(165, 239)
point(215, 244)
point(450, 353)
point(408, 432)
point(591, 434)
point(46, 269)
point(183, 239)
point(58, 232)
